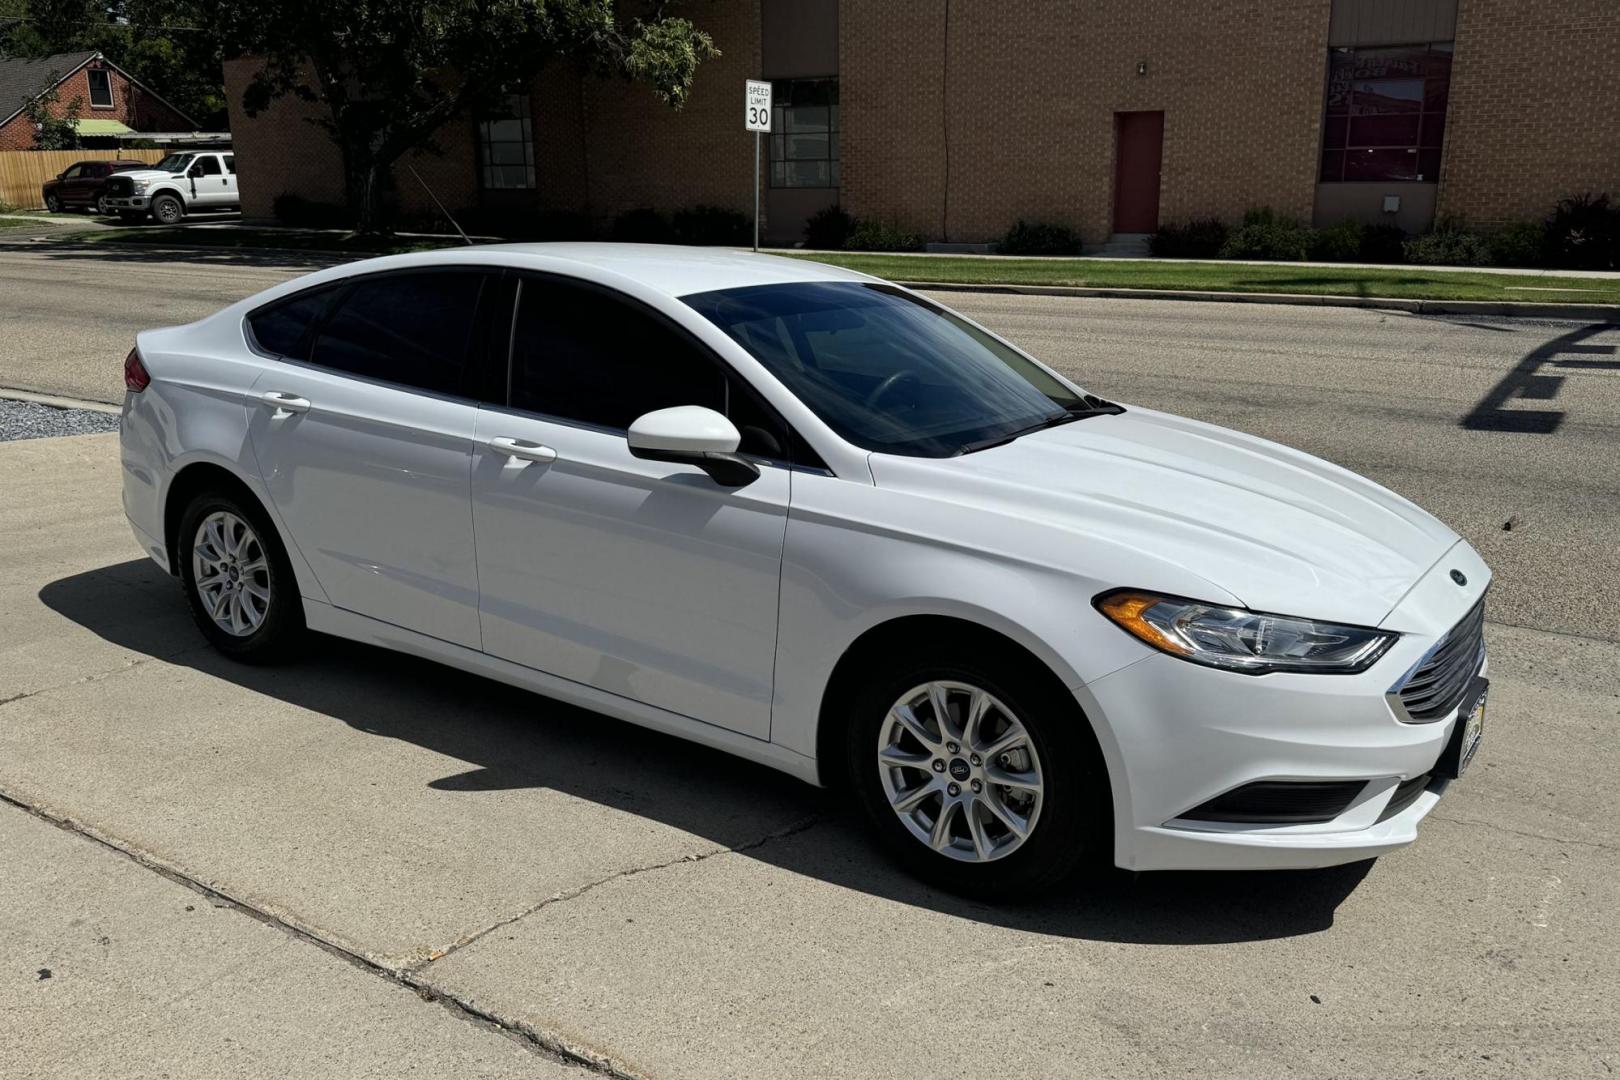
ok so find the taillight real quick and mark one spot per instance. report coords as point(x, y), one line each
point(135, 376)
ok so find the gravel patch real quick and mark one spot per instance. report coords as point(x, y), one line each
point(30, 420)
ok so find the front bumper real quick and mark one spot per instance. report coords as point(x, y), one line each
point(1177, 735)
point(132, 202)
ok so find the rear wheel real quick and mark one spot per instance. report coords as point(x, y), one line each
point(166, 210)
point(238, 581)
point(977, 772)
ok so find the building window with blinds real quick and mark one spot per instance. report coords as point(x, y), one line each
point(804, 133)
point(506, 146)
point(1386, 113)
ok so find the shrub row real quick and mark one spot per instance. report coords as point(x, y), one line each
point(1582, 232)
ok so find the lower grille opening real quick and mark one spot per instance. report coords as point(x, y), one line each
point(1406, 794)
point(1280, 802)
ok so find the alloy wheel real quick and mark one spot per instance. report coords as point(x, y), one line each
point(101, 205)
point(232, 573)
point(53, 204)
point(960, 771)
point(167, 211)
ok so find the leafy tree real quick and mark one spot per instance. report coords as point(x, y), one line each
point(53, 132)
point(392, 72)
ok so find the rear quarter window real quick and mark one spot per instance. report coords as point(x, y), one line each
point(284, 328)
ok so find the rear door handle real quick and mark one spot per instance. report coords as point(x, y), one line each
point(284, 403)
point(522, 450)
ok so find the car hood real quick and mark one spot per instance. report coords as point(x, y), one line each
point(1278, 529)
point(148, 174)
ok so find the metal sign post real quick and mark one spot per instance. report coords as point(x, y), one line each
point(757, 118)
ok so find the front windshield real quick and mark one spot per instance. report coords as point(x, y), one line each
point(886, 370)
point(174, 163)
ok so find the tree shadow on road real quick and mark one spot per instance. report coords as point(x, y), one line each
point(515, 739)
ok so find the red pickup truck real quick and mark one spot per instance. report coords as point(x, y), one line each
point(83, 184)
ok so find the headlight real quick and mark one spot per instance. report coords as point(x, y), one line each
point(137, 186)
point(1242, 640)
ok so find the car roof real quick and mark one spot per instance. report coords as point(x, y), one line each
point(666, 268)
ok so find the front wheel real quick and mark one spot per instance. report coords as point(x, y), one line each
point(238, 581)
point(979, 774)
point(53, 204)
point(166, 210)
point(101, 205)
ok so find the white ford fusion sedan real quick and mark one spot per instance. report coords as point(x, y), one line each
point(815, 520)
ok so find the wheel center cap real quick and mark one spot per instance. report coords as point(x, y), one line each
point(960, 769)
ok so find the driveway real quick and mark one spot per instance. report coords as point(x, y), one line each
point(394, 866)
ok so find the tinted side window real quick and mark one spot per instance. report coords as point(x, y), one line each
point(413, 329)
point(207, 165)
point(230, 163)
point(579, 354)
point(283, 329)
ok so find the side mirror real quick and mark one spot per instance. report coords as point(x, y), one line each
point(693, 435)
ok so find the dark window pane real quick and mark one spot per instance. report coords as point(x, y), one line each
point(1434, 128)
point(1383, 131)
point(582, 355)
point(1333, 130)
point(1377, 96)
point(1381, 165)
point(207, 165)
point(411, 329)
point(1429, 165)
point(100, 87)
point(230, 163)
point(1332, 165)
point(284, 328)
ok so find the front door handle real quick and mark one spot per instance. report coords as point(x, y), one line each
point(522, 450)
point(284, 403)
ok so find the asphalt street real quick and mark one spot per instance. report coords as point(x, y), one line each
point(354, 866)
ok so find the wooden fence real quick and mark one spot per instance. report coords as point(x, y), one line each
point(23, 171)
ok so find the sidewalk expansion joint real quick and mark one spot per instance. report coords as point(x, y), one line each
point(97, 676)
point(537, 1042)
point(460, 943)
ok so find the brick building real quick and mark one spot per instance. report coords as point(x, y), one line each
point(102, 89)
point(956, 117)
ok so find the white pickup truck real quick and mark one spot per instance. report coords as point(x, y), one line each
point(180, 184)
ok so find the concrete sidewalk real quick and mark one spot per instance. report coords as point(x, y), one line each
point(662, 911)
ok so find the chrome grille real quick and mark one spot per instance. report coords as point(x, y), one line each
point(118, 187)
point(1436, 686)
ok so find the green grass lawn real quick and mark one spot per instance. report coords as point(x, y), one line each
point(1400, 282)
point(23, 223)
point(285, 239)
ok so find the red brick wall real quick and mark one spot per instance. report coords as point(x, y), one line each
point(1029, 101)
point(132, 106)
point(1534, 113)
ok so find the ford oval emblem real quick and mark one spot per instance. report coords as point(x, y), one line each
point(1459, 577)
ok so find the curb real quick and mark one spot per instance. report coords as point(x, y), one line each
point(56, 401)
point(1506, 309)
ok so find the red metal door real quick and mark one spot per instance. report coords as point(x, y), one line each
point(1138, 149)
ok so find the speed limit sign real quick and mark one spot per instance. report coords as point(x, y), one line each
point(757, 114)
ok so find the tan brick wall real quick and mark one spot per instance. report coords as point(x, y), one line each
point(281, 151)
point(641, 152)
point(1029, 107)
point(1534, 113)
point(132, 106)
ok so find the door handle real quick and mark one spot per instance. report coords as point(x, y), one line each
point(284, 403)
point(522, 450)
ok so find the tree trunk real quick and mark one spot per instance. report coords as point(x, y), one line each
point(362, 189)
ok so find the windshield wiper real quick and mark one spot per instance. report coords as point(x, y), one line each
point(1089, 406)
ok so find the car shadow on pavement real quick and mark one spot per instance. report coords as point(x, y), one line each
point(515, 740)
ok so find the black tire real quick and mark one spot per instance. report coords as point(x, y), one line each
point(1073, 829)
point(53, 205)
point(168, 210)
point(281, 633)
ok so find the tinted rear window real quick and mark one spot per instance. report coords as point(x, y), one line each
point(414, 329)
point(283, 329)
